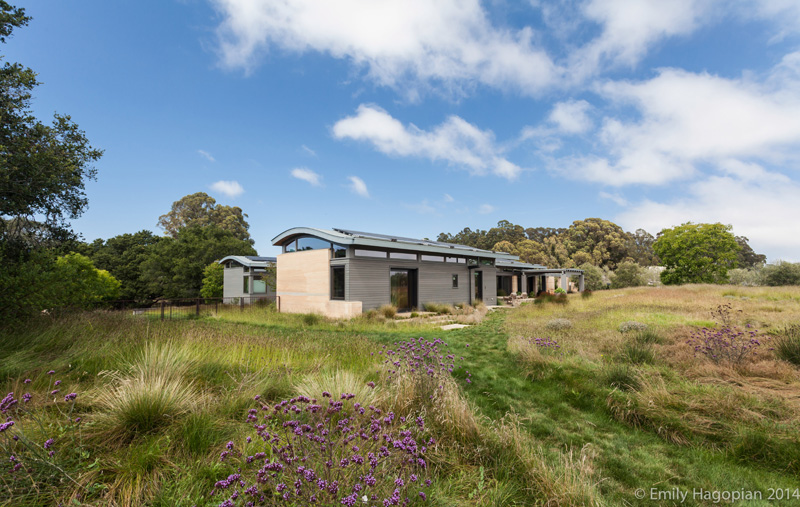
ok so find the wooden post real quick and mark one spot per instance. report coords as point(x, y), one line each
point(162, 310)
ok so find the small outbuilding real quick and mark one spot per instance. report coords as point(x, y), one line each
point(247, 278)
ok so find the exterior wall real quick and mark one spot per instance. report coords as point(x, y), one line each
point(304, 285)
point(232, 284)
point(489, 284)
point(367, 280)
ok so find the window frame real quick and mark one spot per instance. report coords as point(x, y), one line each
point(334, 269)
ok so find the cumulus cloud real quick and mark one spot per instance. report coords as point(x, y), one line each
point(451, 43)
point(228, 188)
point(485, 209)
point(571, 117)
point(357, 186)
point(302, 173)
point(455, 141)
point(761, 205)
point(206, 155)
point(687, 120)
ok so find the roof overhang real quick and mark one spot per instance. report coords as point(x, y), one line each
point(392, 244)
point(261, 262)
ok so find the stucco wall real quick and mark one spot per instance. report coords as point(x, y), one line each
point(304, 285)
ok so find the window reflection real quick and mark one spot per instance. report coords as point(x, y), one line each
point(337, 283)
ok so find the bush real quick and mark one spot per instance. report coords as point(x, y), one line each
point(558, 324)
point(727, 343)
point(388, 311)
point(331, 452)
point(628, 274)
point(592, 277)
point(787, 347)
point(632, 325)
point(782, 273)
point(438, 308)
point(586, 294)
point(560, 291)
point(311, 319)
point(750, 277)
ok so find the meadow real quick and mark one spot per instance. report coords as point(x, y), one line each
point(552, 403)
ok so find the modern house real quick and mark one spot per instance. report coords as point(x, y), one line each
point(341, 273)
point(245, 278)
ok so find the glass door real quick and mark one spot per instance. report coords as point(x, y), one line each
point(479, 286)
point(403, 284)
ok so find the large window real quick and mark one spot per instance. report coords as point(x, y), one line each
point(259, 285)
point(339, 251)
point(311, 243)
point(337, 282)
point(246, 284)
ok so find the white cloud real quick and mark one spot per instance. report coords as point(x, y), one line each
point(571, 117)
point(308, 151)
point(228, 188)
point(762, 206)
point(686, 121)
point(207, 155)
point(485, 209)
point(302, 173)
point(456, 141)
point(400, 43)
point(448, 198)
point(616, 198)
point(358, 186)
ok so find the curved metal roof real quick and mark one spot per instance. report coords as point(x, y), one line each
point(251, 261)
point(368, 239)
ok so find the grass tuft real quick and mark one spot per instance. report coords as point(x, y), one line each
point(787, 347)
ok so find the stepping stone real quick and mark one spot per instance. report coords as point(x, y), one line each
point(454, 326)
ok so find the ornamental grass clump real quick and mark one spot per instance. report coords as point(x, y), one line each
point(332, 452)
point(41, 448)
point(727, 343)
point(558, 324)
point(787, 347)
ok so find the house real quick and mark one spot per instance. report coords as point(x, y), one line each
point(246, 278)
point(342, 273)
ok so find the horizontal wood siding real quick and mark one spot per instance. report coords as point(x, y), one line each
point(368, 281)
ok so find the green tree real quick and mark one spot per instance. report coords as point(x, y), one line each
point(605, 241)
point(747, 257)
point(213, 280)
point(80, 284)
point(696, 253)
point(640, 248)
point(200, 209)
point(174, 267)
point(592, 277)
point(123, 256)
point(781, 273)
point(43, 169)
point(505, 246)
point(628, 274)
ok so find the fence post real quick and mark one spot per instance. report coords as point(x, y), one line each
point(162, 310)
point(197, 307)
point(241, 304)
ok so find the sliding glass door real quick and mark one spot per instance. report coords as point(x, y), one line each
point(403, 284)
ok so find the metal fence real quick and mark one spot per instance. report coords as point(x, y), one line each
point(182, 308)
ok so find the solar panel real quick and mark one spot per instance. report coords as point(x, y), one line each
point(385, 237)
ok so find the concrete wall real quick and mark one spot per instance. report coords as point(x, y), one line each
point(304, 285)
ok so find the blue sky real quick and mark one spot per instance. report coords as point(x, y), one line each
point(414, 118)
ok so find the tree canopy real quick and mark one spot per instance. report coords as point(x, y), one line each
point(201, 209)
point(123, 256)
point(697, 253)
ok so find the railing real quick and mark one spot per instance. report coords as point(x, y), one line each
point(190, 307)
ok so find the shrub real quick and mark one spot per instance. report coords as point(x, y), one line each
point(334, 453)
point(560, 290)
point(787, 347)
point(388, 311)
point(782, 273)
point(727, 343)
point(621, 376)
point(592, 277)
point(312, 319)
point(438, 308)
point(558, 324)
point(628, 274)
point(586, 294)
point(632, 325)
point(750, 277)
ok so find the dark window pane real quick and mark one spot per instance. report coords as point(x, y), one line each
point(455, 281)
point(399, 281)
point(339, 251)
point(337, 285)
point(246, 284)
point(311, 243)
